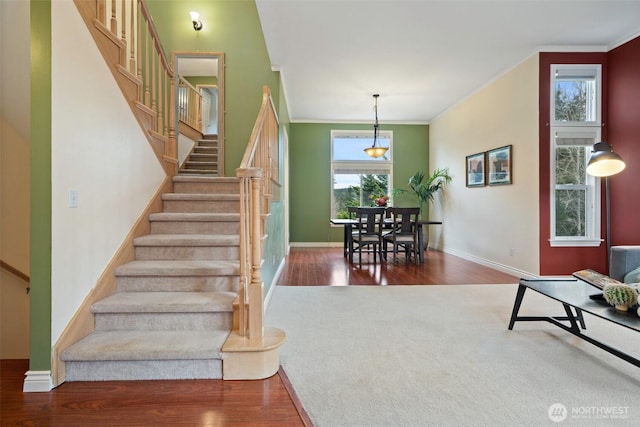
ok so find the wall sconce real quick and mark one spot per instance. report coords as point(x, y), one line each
point(195, 18)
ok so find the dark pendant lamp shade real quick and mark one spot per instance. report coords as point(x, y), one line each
point(603, 161)
point(375, 150)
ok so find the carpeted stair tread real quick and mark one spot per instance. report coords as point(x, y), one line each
point(166, 302)
point(147, 345)
point(201, 196)
point(198, 216)
point(179, 268)
point(187, 240)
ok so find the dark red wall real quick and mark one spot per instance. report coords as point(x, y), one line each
point(621, 128)
point(563, 260)
point(624, 136)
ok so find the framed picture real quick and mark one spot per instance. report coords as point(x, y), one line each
point(475, 170)
point(499, 165)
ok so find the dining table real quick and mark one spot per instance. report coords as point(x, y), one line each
point(348, 225)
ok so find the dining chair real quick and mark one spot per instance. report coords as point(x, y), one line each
point(404, 233)
point(368, 236)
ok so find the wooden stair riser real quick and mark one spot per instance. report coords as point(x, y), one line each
point(186, 253)
point(164, 321)
point(201, 164)
point(205, 150)
point(205, 154)
point(198, 172)
point(178, 284)
point(207, 143)
point(191, 206)
point(209, 157)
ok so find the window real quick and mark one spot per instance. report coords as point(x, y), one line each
point(576, 195)
point(356, 177)
point(576, 94)
point(575, 127)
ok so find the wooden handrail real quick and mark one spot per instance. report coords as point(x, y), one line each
point(259, 174)
point(11, 269)
point(154, 34)
point(125, 33)
point(189, 104)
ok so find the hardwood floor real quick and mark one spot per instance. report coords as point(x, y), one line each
point(147, 403)
point(269, 402)
point(328, 266)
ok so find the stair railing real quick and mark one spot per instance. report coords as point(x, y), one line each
point(259, 175)
point(189, 104)
point(129, 25)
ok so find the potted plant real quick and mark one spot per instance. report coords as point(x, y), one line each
point(425, 190)
point(621, 296)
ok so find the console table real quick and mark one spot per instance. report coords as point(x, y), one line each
point(576, 297)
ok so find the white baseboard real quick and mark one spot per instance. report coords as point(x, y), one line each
point(488, 263)
point(276, 276)
point(37, 381)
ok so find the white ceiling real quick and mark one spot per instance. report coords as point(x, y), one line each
point(421, 56)
point(197, 66)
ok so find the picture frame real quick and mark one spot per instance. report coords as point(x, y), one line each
point(475, 170)
point(499, 165)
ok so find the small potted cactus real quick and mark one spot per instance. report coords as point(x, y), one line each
point(620, 296)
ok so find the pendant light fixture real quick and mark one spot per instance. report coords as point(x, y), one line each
point(375, 150)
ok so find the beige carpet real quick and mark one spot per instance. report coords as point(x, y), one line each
point(442, 356)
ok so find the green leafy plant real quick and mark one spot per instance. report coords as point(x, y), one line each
point(425, 190)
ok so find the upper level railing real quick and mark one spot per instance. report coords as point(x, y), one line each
point(132, 35)
point(189, 104)
point(259, 185)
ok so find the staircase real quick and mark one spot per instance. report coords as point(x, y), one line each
point(203, 160)
point(190, 304)
point(173, 309)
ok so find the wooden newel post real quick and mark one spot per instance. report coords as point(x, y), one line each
point(255, 287)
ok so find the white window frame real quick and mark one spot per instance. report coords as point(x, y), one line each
point(577, 70)
point(593, 204)
point(375, 166)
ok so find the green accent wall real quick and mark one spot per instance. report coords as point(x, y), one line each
point(310, 173)
point(40, 227)
point(232, 27)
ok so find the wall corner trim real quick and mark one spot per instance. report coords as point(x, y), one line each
point(37, 381)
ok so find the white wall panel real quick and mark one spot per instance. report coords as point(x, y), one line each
point(98, 150)
point(494, 225)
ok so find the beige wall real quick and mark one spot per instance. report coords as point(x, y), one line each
point(14, 177)
point(14, 243)
point(98, 149)
point(498, 225)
